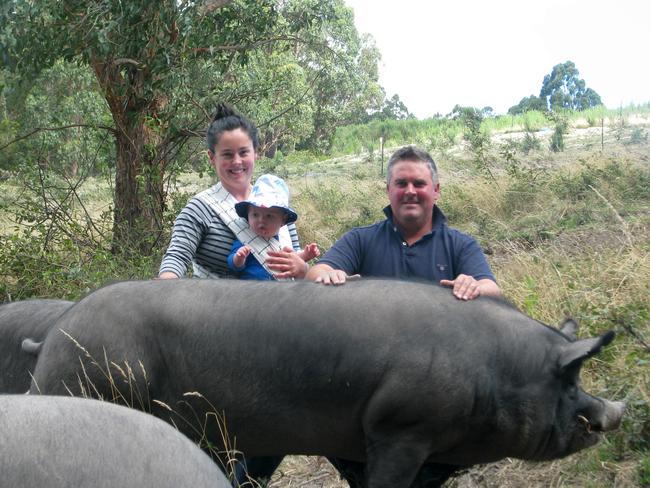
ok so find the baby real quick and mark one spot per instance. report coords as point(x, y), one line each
point(267, 212)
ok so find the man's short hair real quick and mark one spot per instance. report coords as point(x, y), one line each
point(412, 153)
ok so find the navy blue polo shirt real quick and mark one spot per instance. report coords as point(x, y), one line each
point(379, 250)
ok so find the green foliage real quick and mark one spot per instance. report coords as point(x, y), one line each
point(346, 76)
point(644, 471)
point(392, 108)
point(627, 183)
point(560, 129)
point(562, 89)
point(433, 134)
point(530, 142)
point(478, 138)
point(532, 297)
point(638, 136)
point(297, 67)
point(8, 133)
point(63, 271)
point(71, 120)
point(528, 104)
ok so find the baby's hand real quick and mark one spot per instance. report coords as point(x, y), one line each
point(240, 256)
point(310, 252)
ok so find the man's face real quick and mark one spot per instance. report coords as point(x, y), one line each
point(265, 222)
point(412, 193)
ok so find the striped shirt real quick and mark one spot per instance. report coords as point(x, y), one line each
point(200, 235)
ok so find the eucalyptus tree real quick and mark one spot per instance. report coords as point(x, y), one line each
point(160, 64)
point(527, 104)
point(345, 91)
point(564, 89)
point(275, 90)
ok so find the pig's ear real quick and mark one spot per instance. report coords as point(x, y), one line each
point(569, 328)
point(574, 353)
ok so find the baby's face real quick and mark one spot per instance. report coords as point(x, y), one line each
point(265, 222)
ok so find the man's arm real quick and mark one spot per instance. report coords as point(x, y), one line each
point(342, 258)
point(489, 288)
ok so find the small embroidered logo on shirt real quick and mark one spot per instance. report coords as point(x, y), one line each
point(441, 267)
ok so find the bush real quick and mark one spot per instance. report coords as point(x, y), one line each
point(638, 136)
point(557, 138)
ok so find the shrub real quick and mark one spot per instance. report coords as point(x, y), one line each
point(561, 128)
point(638, 136)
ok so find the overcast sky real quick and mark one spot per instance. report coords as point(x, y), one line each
point(436, 54)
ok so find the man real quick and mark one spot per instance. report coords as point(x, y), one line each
point(414, 241)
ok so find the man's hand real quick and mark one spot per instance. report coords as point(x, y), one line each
point(333, 277)
point(239, 259)
point(465, 287)
point(325, 274)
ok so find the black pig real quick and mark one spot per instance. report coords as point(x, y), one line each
point(391, 374)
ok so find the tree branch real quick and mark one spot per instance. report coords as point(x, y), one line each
point(63, 127)
point(210, 6)
point(245, 47)
point(119, 61)
point(294, 105)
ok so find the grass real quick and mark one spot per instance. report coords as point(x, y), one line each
point(118, 382)
point(566, 233)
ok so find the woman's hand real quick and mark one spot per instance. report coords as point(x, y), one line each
point(167, 275)
point(286, 264)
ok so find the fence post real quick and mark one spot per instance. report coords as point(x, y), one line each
point(381, 145)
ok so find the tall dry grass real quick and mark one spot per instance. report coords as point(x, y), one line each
point(567, 234)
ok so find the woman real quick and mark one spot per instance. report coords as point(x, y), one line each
point(204, 230)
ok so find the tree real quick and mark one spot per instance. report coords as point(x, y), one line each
point(63, 96)
point(479, 140)
point(346, 85)
point(157, 61)
point(528, 103)
point(563, 89)
point(392, 109)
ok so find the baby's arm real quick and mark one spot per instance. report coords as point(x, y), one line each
point(310, 252)
point(239, 259)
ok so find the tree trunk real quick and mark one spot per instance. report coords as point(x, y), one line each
point(139, 190)
point(139, 169)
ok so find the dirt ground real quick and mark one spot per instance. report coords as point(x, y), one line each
point(317, 472)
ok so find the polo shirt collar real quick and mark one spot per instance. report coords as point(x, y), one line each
point(438, 218)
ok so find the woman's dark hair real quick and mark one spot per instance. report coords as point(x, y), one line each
point(225, 119)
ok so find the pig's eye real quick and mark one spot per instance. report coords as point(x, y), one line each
point(572, 390)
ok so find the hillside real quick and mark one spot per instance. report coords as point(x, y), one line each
point(567, 233)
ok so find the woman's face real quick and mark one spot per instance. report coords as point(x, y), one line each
point(234, 160)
